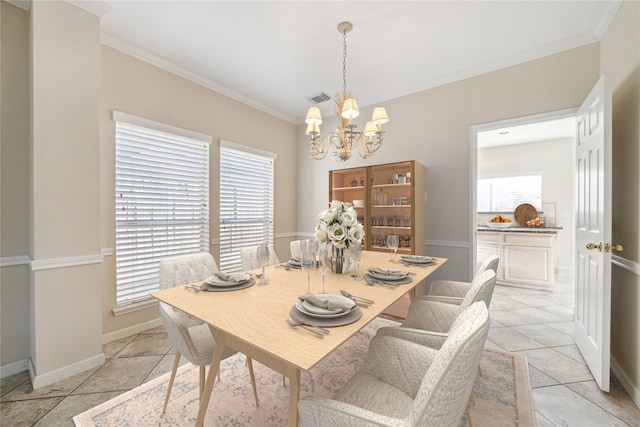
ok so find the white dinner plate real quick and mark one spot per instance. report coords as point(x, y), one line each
point(311, 308)
point(412, 259)
point(328, 313)
point(392, 274)
point(238, 279)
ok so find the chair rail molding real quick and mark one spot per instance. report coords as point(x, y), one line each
point(47, 264)
point(10, 261)
point(627, 264)
point(448, 243)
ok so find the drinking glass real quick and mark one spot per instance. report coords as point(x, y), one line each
point(392, 243)
point(324, 260)
point(356, 255)
point(262, 254)
point(308, 266)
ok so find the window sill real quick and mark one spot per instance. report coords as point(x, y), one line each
point(136, 306)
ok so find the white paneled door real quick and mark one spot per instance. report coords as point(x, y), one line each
point(592, 318)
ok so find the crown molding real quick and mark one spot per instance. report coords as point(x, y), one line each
point(94, 7)
point(606, 18)
point(143, 55)
point(22, 4)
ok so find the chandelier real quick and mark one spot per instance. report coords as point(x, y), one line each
point(345, 138)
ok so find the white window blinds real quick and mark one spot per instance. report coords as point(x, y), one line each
point(504, 194)
point(161, 201)
point(246, 201)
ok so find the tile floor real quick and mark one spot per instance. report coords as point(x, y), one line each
point(531, 322)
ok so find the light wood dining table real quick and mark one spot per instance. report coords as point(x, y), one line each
point(252, 320)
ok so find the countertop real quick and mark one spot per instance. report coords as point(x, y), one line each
point(519, 229)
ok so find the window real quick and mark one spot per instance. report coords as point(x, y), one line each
point(246, 201)
point(506, 193)
point(161, 200)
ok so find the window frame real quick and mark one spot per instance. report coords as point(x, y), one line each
point(163, 163)
point(231, 241)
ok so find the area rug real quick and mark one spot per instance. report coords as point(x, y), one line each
point(502, 392)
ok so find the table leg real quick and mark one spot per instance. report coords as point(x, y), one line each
point(213, 371)
point(294, 394)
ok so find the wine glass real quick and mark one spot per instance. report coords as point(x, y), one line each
point(308, 265)
point(356, 255)
point(392, 243)
point(324, 258)
point(262, 254)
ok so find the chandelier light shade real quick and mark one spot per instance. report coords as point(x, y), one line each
point(345, 139)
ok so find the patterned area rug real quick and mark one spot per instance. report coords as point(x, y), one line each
point(502, 392)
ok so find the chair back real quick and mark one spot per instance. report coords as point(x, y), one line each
point(481, 289)
point(190, 336)
point(184, 269)
point(446, 386)
point(491, 263)
point(250, 260)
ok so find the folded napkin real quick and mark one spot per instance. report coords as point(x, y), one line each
point(227, 277)
point(388, 272)
point(327, 304)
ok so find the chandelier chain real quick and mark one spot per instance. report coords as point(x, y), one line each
point(344, 62)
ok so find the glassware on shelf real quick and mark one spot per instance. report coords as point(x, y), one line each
point(380, 198)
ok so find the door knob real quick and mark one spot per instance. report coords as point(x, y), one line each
point(592, 246)
point(617, 247)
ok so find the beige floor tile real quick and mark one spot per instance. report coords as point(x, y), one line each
point(510, 339)
point(558, 366)
point(542, 421)
point(9, 383)
point(617, 401)
point(524, 316)
point(540, 379)
point(563, 407)
point(62, 415)
point(26, 412)
point(119, 374)
point(114, 347)
point(61, 388)
point(543, 334)
point(164, 366)
point(147, 345)
point(571, 351)
point(564, 327)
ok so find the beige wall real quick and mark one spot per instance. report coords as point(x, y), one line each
point(433, 128)
point(620, 60)
point(135, 87)
point(555, 160)
point(14, 182)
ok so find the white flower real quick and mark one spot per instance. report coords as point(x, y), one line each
point(339, 225)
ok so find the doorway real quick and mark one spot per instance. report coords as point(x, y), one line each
point(541, 145)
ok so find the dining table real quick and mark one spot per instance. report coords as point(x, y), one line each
point(252, 320)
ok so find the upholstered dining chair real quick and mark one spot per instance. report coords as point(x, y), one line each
point(402, 383)
point(191, 337)
point(428, 313)
point(455, 289)
point(250, 261)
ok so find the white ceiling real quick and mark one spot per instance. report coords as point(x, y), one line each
point(526, 133)
point(274, 54)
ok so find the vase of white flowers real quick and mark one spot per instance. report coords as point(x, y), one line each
point(339, 226)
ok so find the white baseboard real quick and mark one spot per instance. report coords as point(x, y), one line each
point(14, 368)
point(634, 391)
point(56, 375)
point(131, 330)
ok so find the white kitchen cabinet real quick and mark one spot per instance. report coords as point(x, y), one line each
point(527, 259)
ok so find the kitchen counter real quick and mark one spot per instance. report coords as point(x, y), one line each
point(519, 229)
point(528, 255)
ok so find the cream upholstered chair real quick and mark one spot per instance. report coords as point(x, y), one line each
point(402, 383)
point(455, 289)
point(428, 313)
point(250, 261)
point(191, 337)
point(294, 248)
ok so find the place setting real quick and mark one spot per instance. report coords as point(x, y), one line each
point(387, 277)
point(324, 309)
point(221, 282)
point(417, 260)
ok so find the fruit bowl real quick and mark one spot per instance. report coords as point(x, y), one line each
point(498, 225)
